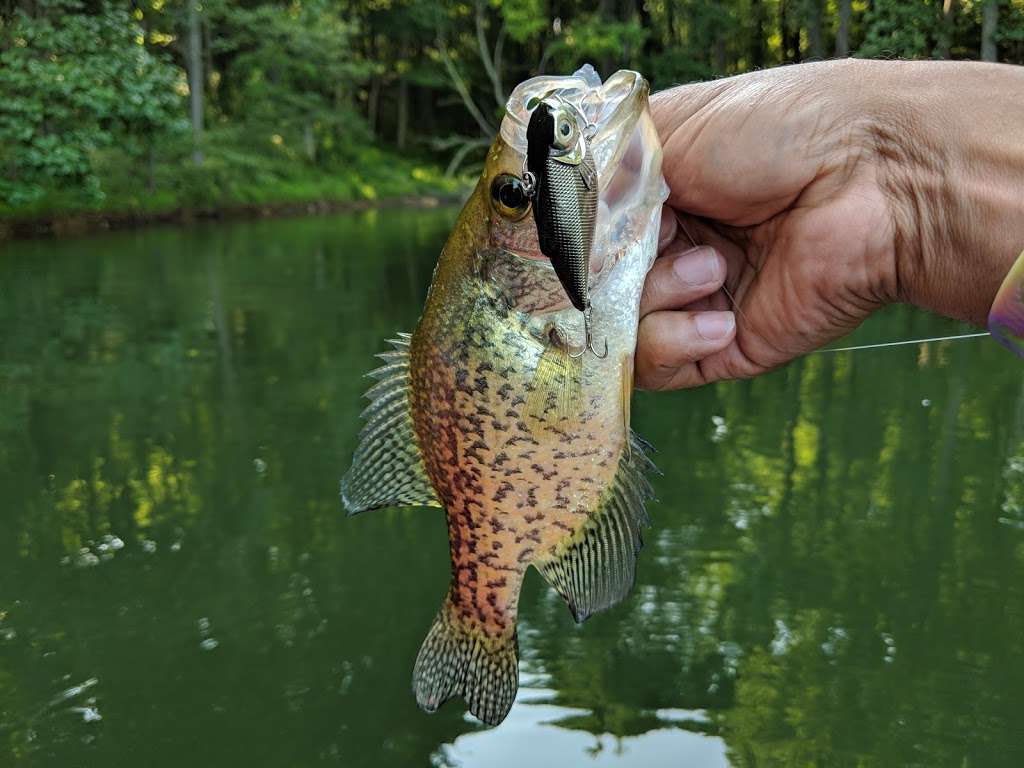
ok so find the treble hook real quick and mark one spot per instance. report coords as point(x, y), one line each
point(588, 343)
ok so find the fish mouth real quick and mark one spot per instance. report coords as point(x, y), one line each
point(610, 109)
point(627, 156)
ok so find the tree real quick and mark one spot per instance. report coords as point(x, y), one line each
point(843, 28)
point(989, 30)
point(75, 82)
point(195, 79)
point(288, 72)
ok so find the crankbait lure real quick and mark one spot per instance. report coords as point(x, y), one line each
point(561, 179)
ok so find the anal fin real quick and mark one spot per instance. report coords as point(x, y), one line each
point(387, 469)
point(596, 567)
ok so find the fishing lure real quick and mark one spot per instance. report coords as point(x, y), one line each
point(561, 179)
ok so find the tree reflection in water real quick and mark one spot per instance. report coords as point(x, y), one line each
point(833, 576)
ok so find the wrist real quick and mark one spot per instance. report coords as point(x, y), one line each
point(949, 142)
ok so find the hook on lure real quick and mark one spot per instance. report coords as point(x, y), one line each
point(588, 340)
point(560, 176)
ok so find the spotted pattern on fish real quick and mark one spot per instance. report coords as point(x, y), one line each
point(496, 526)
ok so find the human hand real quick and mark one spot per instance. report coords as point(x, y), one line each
point(818, 193)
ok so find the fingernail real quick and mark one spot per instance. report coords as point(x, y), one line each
point(697, 266)
point(715, 326)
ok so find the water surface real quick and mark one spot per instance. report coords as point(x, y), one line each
point(835, 575)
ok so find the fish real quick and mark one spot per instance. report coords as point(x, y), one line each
point(484, 412)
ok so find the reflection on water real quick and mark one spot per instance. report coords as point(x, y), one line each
point(834, 576)
point(541, 733)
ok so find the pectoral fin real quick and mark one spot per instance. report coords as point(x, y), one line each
point(557, 390)
point(595, 568)
point(387, 469)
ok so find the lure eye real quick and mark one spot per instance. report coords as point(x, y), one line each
point(566, 131)
point(508, 196)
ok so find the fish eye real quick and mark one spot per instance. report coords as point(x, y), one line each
point(508, 196)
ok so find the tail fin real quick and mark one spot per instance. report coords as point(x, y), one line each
point(460, 658)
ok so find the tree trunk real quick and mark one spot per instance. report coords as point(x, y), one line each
point(758, 58)
point(373, 104)
point(606, 12)
point(989, 28)
point(309, 141)
point(194, 56)
point(789, 32)
point(204, 25)
point(402, 123)
point(720, 54)
point(944, 46)
point(843, 30)
point(402, 127)
point(815, 33)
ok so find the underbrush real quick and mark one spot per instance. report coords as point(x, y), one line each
point(233, 173)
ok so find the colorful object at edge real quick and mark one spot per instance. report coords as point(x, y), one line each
point(1006, 318)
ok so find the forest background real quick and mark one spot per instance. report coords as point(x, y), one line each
point(167, 105)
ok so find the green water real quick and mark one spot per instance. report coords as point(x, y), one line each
point(835, 576)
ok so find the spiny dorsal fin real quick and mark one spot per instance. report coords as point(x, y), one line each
point(596, 567)
point(458, 658)
point(387, 469)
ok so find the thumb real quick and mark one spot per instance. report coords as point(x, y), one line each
point(696, 155)
point(737, 150)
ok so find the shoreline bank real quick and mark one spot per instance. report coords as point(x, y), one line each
point(91, 222)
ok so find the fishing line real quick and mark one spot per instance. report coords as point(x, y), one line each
point(882, 345)
point(906, 341)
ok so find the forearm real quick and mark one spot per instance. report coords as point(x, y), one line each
point(951, 150)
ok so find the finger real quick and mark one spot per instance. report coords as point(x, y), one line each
point(669, 226)
point(681, 276)
point(774, 150)
point(734, 244)
point(717, 300)
point(671, 344)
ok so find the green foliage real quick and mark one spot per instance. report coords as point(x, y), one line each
point(290, 72)
point(74, 82)
point(594, 37)
point(902, 30)
point(295, 91)
point(524, 19)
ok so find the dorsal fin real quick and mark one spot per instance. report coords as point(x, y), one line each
point(595, 568)
point(387, 469)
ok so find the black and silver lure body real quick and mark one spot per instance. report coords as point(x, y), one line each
point(562, 180)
